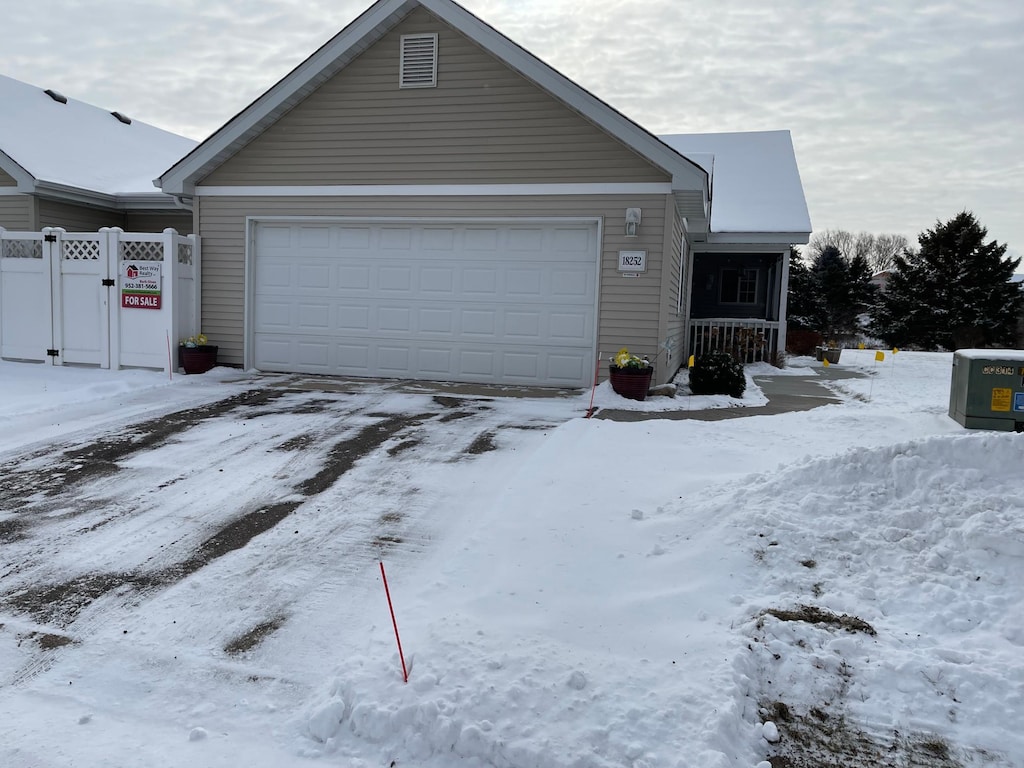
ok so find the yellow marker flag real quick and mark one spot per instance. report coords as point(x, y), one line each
point(825, 363)
point(879, 356)
point(689, 363)
point(861, 345)
point(895, 350)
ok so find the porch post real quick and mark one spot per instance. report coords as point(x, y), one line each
point(783, 301)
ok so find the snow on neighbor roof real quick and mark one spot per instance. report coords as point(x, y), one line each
point(755, 182)
point(82, 146)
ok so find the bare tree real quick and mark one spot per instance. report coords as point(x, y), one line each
point(887, 248)
point(879, 251)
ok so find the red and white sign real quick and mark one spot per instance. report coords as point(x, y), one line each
point(140, 285)
point(140, 301)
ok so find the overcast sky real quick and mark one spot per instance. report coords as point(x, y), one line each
point(903, 112)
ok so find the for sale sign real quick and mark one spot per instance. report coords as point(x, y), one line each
point(140, 285)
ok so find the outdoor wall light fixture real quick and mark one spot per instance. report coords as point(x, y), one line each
point(632, 221)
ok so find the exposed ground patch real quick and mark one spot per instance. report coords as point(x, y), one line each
point(253, 637)
point(60, 604)
point(814, 615)
point(482, 444)
point(822, 739)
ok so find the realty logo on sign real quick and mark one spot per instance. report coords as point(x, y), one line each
point(140, 285)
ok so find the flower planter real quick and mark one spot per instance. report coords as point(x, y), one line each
point(632, 383)
point(832, 355)
point(197, 359)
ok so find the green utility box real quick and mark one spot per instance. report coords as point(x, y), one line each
point(987, 391)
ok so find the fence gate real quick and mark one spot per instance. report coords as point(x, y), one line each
point(26, 301)
point(59, 300)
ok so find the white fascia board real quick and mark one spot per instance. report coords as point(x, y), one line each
point(685, 174)
point(155, 201)
point(757, 238)
point(175, 181)
point(438, 190)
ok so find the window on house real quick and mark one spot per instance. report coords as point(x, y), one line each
point(739, 286)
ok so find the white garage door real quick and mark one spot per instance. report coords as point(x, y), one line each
point(496, 303)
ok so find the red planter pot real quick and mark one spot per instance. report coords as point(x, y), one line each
point(197, 359)
point(632, 383)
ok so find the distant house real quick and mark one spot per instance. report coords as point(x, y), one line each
point(423, 198)
point(65, 163)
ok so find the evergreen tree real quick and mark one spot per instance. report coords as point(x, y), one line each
point(802, 303)
point(953, 293)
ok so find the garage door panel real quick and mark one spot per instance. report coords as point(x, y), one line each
point(313, 276)
point(274, 275)
point(437, 281)
point(436, 320)
point(394, 360)
point(314, 317)
point(394, 319)
point(490, 303)
point(434, 362)
point(353, 319)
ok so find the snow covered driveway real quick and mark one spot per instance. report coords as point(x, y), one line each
point(98, 529)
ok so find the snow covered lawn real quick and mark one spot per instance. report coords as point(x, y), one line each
point(183, 583)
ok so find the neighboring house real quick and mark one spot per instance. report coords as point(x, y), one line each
point(65, 163)
point(423, 198)
point(881, 280)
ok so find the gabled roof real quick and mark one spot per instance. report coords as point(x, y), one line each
point(332, 57)
point(755, 185)
point(79, 151)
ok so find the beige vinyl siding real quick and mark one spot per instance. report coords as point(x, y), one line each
point(157, 221)
point(483, 123)
point(76, 218)
point(16, 212)
point(628, 312)
point(6, 180)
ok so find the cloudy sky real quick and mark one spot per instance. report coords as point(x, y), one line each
point(903, 112)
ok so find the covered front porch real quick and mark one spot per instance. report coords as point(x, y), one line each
point(738, 305)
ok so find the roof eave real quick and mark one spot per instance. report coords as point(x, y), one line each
point(117, 202)
point(759, 238)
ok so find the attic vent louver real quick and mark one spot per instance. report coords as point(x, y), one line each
point(59, 97)
point(124, 119)
point(419, 61)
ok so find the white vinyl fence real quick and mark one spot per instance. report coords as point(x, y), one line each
point(111, 299)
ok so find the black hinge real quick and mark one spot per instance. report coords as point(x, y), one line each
point(50, 238)
point(52, 352)
point(108, 281)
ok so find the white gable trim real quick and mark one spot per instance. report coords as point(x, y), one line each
point(365, 31)
point(435, 190)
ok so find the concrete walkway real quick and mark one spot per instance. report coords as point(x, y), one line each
point(785, 394)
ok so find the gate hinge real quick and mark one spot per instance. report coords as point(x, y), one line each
point(50, 238)
point(108, 281)
point(52, 352)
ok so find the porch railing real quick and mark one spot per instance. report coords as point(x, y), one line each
point(748, 341)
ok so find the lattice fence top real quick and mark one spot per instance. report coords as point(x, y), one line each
point(80, 250)
point(142, 251)
point(21, 249)
point(184, 253)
